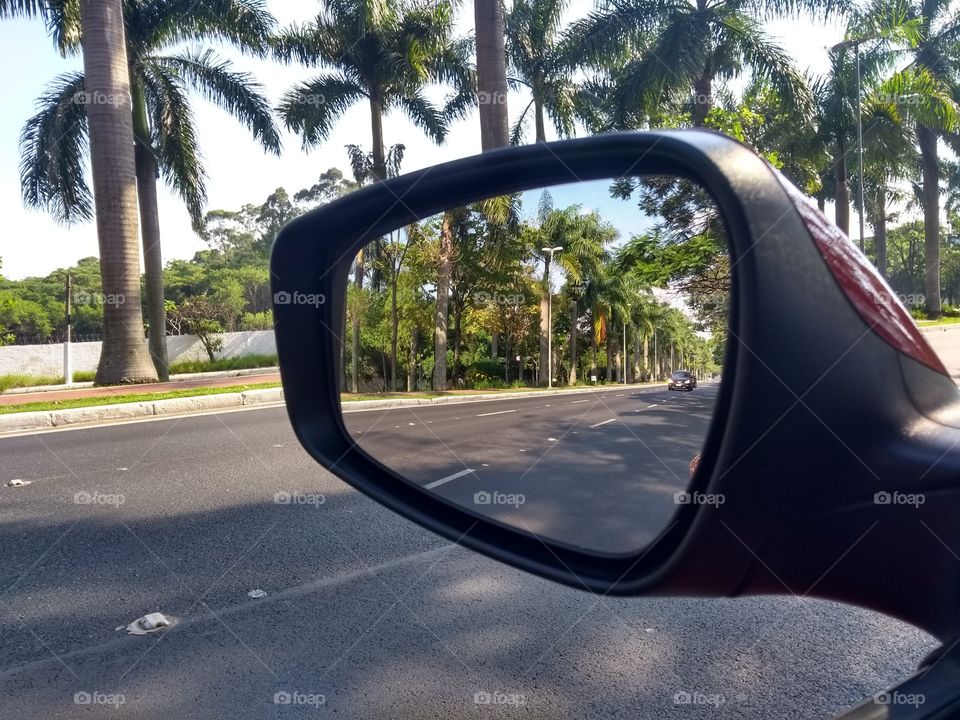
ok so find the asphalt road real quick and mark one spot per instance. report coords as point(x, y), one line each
point(599, 470)
point(365, 614)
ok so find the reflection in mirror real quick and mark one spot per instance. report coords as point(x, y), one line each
point(549, 359)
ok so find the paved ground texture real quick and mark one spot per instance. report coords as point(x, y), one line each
point(365, 615)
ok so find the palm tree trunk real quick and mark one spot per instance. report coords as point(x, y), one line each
point(880, 231)
point(645, 372)
point(593, 345)
point(929, 162)
point(538, 120)
point(124, 357)
point(443, 303)
point(394, 332)
point(146, 167)
point(702, 98)
point(573, 342)
point(457, 345)
point(609, 343)
point(355, 339)
point(842, 195)
point(491, 74)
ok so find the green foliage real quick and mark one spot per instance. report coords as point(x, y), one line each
point(244, 362)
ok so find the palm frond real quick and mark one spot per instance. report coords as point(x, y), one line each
point(245, 24)
point(313, 108)
point(236, 92)
point(53, 150)
point(174, 135)
point(769, 62)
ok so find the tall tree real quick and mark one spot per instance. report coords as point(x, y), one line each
point(538, 62)
point(385, 52)
point(491, 73)
point(124, 357)
point(938, 53)
point(673, 51)
point(53, 139)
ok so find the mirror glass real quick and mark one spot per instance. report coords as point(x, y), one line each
point(550, 359)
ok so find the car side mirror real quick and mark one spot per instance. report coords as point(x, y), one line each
point(831, 451)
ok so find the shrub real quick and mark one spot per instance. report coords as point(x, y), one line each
point(484, 374)
point(243, 362)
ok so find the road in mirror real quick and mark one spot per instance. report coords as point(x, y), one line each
point(550, 359)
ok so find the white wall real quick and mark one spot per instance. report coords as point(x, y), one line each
point(48, 359)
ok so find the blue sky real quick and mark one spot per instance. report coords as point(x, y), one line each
point(239, 172)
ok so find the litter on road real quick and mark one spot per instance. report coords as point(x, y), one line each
point(151, 622)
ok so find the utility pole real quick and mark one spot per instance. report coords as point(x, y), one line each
point(67, 368)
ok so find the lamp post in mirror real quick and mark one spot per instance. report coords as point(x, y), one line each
point(549, 253)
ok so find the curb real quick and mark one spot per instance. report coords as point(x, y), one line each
point(45, 419)
point(939, 328)
point(48, 419)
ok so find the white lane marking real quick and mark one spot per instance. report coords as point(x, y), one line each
point(578, 401)
point(499, 412)
point(603, 423)
point(448, 478)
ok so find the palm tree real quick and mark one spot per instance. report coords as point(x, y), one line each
point(583, 237)
point(385, 53)
point(123, 357)
point(491, 73)
point(665, 49)
point(537, 62)
point(52, 141)
point(936, 53)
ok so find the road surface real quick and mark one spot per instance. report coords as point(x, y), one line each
point(365, 615)
point(599, 470)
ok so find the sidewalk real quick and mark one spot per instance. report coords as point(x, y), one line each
point(184, 382)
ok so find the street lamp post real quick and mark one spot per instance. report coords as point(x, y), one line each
point(624, 362)
point(549, 251)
